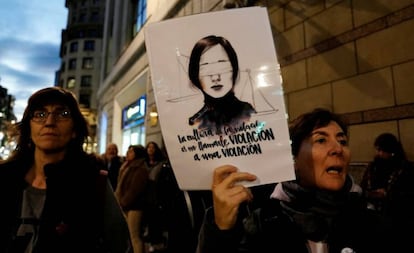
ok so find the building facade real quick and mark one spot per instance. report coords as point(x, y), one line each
point(80, 55)
point(354, 57)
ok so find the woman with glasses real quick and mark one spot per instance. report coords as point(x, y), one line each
point(54, 196)
point(214, 69)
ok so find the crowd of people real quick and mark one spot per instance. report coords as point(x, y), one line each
point(58, 198)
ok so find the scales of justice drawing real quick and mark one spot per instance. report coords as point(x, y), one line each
point(219, 95)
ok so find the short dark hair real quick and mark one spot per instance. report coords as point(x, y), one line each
point(302, 127)
point(139, 150)
point(200, 47)
point(389, 143)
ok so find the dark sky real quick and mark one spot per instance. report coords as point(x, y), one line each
point(30, 37)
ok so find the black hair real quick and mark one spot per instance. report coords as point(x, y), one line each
point(203, 45)
point(139, 150)
point(158, 155)
point(389, 143)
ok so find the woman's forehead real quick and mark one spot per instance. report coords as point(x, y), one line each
point(213, 54)
point(55, 105)
point(332, 126)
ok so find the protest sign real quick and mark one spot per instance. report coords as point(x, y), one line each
point(218, 90)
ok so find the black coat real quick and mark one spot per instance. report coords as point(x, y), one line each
point(80, 213)
point(269, 229)
point(113, 171)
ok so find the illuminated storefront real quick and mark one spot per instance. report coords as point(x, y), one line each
point(133, 123)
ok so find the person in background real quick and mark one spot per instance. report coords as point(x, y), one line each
point(174, 225)
point(132, 182)
point(155, 159)
point(388, 183)
point(112, 163)
point(386, 172)
point(54, 198)
point(321, 211)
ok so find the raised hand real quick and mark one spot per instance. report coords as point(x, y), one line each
point(228, 194)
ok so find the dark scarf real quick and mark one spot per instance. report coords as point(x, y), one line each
point(219, 112)
point(314, 210)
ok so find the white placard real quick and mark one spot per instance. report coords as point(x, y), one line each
point(223, 120)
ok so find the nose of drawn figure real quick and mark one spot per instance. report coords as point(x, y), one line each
point(215, 78)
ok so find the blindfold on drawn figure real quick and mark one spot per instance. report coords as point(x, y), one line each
point(213, 68)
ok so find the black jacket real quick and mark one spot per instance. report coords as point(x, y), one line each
point(113, 170)
point(269, 229)
point(80, 213)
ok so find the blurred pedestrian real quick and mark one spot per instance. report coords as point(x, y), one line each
point(154, 221)
point(388, 177)
point(132, 182)
point(388, 184)
point(112, 162)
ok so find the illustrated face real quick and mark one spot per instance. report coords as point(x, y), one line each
point(216, 72)
point(323, 158)
point(54, 131)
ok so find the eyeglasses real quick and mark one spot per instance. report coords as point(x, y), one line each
point(59, 115)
